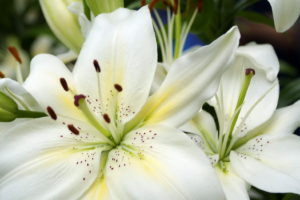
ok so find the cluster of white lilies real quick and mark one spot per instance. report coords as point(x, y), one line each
point(122, 126)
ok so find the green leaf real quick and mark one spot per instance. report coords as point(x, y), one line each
point(256, 17)
point(286, 68)
point(291, 197)
point(86, 10)
point(134, 5)
point(290, 93)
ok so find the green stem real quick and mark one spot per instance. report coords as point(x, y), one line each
point(177, 32)
point(29, 114)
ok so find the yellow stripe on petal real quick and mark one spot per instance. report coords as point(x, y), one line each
point(98, 190)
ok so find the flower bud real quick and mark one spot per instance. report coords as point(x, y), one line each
point(104, 6)
point(8, 108)
point(63, 22)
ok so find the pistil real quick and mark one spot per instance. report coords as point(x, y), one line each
point(226, 140)
point(248, 77)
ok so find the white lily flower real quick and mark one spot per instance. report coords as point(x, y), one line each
point(107, 139)
point(285, 13)
point(254, 144)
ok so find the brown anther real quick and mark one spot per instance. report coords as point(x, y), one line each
point(14, 52)
point(152, 4)
point(175, 7)
point(143, 2)
point(250, 71)
point(168, 4)
point(200, 5)
point(118, 87)
point(51, 113)
point(106, 118)
point(77, 98)
point(97, 66)
point(72, 128)
point(64, 84)
point(2, 75)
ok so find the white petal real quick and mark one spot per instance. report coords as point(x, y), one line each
point(5, 126)
point(44, 84)
point(98, 191)
point(163, 164)
point(206, 123)
point(38, 161)
point(285, 121)
point(29, 138)
point(123, 43)
point(19, 94)
point(192, 79)
point(270, 162)
point(265, 94)
point(160, 75)
point(205, 131)
point(262, 56)
point(85, 24)
point(234, 187)
point(262, 93)
point(285, 13)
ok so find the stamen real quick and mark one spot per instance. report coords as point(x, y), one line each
point(51, 113)
point(250, 71)
point(64, 84)
point(77, 98)
point(97, 66)
point(2, 75)
point(106, 118)
point(73, 129)
point(118, 87)
point(14, 52)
